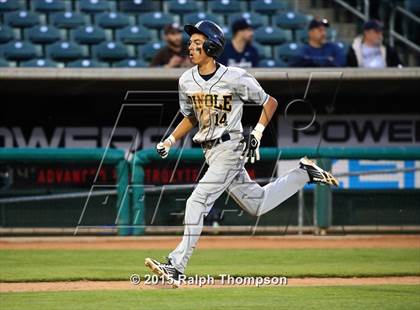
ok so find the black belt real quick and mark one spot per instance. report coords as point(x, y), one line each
point(212, 143)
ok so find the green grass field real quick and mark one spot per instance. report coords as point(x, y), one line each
point(348, 297)
point(67, 265)
point(54, 265)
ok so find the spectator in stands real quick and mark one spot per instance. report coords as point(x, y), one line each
point(174, 54)
point(240, 52)
point(368, 50)
point(318, 52)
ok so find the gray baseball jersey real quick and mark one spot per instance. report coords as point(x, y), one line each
point(217, 103)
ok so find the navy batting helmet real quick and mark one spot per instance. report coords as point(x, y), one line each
point(215, 42)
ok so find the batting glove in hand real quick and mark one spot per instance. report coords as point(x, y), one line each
point(163, 147)
point(251, 150)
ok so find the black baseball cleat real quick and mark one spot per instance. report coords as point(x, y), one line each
point(167, 271)
point(316, 174)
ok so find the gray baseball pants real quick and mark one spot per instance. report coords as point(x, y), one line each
point(226, 172)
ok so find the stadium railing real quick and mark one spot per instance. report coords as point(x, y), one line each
point(112, 157)
point(322, 194)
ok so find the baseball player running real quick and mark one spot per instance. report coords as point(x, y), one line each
point(212, 96)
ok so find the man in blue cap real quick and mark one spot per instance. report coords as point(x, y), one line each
point(369, 51)
point(240, 52)
point(318, 52)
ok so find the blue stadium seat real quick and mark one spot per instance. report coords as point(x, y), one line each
point(263, 51)
point(302, 35)
point(110, 51)
point(156, 20)
point(10, 5)
point(89, 35)
point(268, 6)
point(65, 51)
point(39, 63)
point(113, 20)
point(4, 63)
point(6, 34)
point(21, 19)
point(225, 6)
point(149, 50)
point(48, 6)
point(332, 34)
point(67, 20)
point(271, 63)
point(94, 6)
point(182, 6)
point(255, 19)
point(227, 31)
point(134, 35)
point(291, 20)
point(194, 18)
point(43, 34)
point(272, 35)
point(131, 63)
point(139, 6)
point(288, 51)
point(86, 63)
point(343, 46)
point(413, 6)
point(19, 50)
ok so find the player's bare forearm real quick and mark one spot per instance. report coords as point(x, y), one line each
point(268, 111)
point(184, 127)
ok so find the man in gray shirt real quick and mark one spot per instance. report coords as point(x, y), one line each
point(369, 51)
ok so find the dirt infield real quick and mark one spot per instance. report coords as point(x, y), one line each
point(126, 285)
point(215, 242)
